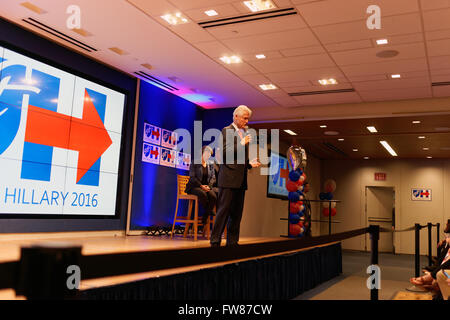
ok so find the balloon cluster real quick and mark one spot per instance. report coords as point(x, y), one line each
point(330, 187)
point(297, 159)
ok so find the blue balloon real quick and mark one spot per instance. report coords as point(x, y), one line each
point(293, 197)
point(322, 196)
point(329, 196)
point(294, 176)
point(294, 218)
point(301, 213)
point(300, 192)
point(300, 172)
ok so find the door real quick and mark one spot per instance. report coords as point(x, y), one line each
point(380, 211)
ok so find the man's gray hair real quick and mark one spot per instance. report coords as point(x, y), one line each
point(242, 109)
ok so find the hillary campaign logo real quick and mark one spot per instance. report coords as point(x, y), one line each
point(168, 157)
point(152, 134)
point(23, 87)
point(169, 139)
point(151, 153)
point(421, 194)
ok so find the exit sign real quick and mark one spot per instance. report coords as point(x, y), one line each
point(380, 176)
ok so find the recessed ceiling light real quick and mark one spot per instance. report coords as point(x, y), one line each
point(366, 158)
point(331, 133)
point(372, 129)
point(355, 150)
point(416, 122)
point(388, 148)
point(326, 82)
point(231, 59)
point(426, 149)
point(382, 41)
point(292, 133)
point(174, 19)
point(259, 5)
point(429, 157)
point(396, 76)
point(341, 139)
point(119, 51)
point(421, 137)
point(211, 13)
point(33, 7)
point(323, 126)
point(260, 56)
point(267, 86)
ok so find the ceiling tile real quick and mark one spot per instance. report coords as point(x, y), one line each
point(442, 77)
point(362, 56)
point(403, 39)
point(154, 8)
point(434, 4)
point(302, 51)
point(389, 67)
point(438, 47)
point(192, 32)
point(285, 85)
point(396, 94)
point(305, 75)
point(240, 69)
point(255, 79)
point(193, 4)
point(439, 63)
point(438, 34)
point(293, 63)
point(350, 45)
point(441, 91)
point(269, 55)
point(223, 11)
point(318, 87)
point(330, 98)
point(368, 78)
point(286, 101)
point(264, 26)
point(214, 49)
point(273, 41)
point(392, 84)
point(436, 20)
point(357, 30)
point(334, 11)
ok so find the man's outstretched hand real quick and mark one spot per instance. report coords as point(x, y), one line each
point(255, 163)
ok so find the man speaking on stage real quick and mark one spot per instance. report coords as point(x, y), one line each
point(232, 178)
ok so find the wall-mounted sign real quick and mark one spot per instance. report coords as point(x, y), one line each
point(152, 134)
point(380, 176)
point(421, 194)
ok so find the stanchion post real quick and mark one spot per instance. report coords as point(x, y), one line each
point(374, 231)
point(430, 260)
point(417, 251)
point(438, 227)
point(329, 218)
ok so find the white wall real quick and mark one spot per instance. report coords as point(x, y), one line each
point(353, 176)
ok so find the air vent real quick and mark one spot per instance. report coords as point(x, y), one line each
point(58, 34)
point(248, 17)
point(295, 94)
point(155, 80)
point(334, 148)
point(438, 84)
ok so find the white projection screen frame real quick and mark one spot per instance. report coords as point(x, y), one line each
point(60, 141)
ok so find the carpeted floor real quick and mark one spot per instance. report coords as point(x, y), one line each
point(396, 270)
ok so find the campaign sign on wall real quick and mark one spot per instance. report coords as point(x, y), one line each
point(421, 194)
point(60, 138)
point(168, 158)
point(151, 153)
point(169, 139)
point(183, 161)
point(152, 134)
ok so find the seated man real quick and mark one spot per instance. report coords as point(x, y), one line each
point(201, 183)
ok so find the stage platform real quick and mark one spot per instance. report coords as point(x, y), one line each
point(10, 251)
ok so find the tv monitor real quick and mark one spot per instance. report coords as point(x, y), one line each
point(276, 183)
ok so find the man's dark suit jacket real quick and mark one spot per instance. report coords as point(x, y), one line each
point(196, 174)
point(233, 175)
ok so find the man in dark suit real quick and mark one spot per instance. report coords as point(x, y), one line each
point(232, 179)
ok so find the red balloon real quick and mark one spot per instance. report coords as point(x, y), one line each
point(294, 208)
point(300, 224)
point(326, 212)
point(294, 229)
point(333, 212)
point(299, 183)
point(291, 186)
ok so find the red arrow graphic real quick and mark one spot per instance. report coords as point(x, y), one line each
point(154, 153)
point(87, 135)
point(156, 134)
